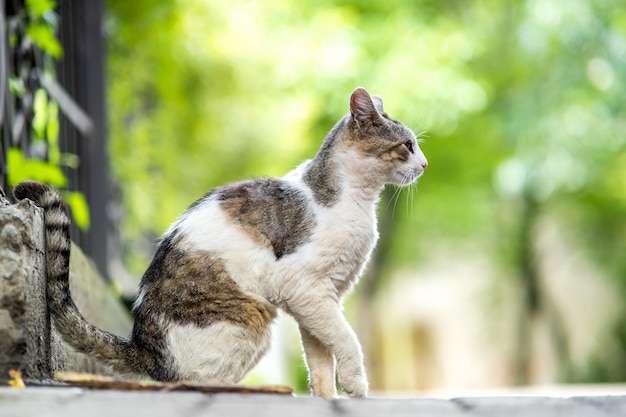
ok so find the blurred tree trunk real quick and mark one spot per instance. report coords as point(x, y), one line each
point(529, 282)
point(536, 305)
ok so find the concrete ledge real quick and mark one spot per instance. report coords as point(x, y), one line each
point(528, 406)
point(28, 341)
point(69, 402)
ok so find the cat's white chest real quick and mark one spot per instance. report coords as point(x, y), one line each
point(344, 239)
point(348, 231)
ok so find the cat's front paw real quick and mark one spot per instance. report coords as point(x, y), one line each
point(355, 385)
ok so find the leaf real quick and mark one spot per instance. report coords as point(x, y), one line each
point(16, 379)
point(40, 109)
point(20, 169)
point(80, 209)
point(17, 87)
point(52, 129)
point(52, 132)
point(38, 8)
point(69, 160)
point(43, 35)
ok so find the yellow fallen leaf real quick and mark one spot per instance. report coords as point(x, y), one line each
point(16, 379)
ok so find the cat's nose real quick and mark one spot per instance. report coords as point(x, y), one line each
point(424, 165)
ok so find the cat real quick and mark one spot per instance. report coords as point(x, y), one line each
point(244, 250)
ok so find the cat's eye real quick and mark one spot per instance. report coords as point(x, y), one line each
point(409, 145)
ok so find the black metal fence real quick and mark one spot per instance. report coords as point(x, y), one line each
point(79, 91)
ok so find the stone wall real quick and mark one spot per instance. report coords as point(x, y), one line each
point(28, 341)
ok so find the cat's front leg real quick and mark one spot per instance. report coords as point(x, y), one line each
point(324, 320)
point(321, 365)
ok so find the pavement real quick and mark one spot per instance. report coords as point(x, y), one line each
point(70, 402)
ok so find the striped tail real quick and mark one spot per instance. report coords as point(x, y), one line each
point(106, 347)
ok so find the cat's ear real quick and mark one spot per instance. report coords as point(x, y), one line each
point(363, 108)
point(378, 103)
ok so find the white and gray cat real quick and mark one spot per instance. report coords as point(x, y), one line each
point(208, 299)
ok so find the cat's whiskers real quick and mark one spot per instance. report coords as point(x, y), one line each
point(411, 200)
point(397, 193)
point(394, 199)
point(407, 198)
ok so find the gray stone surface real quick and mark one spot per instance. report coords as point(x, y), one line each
point(27, 341)
point(527, 406)
point(419, 407)
point(70, 402)
point(24, 325)
point(614, 405)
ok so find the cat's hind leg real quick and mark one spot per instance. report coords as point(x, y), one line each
point(221, 353)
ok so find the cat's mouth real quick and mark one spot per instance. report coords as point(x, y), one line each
point(407, 177)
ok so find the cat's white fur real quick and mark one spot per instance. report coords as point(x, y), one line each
point(309, 285)
point(198, 356)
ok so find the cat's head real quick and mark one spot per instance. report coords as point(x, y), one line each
point(390, 146)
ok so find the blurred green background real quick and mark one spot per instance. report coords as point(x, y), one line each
point(507, 267)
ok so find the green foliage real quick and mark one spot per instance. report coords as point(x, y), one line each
point(212, 92)
point(21, 169)
point(43, 36)
point(518, 99)
point(80, 209)
point(42, 26)
point(39, 8)
point(41, 29)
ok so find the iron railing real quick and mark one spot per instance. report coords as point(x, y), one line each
point(79, 91)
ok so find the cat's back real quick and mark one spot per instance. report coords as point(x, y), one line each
point(272, 214)
point(271, 232)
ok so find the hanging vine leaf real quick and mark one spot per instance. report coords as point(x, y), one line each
point(80, 209)
point(40, 110)
point(43, 35)
point(38, 8)
point(21, 169)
